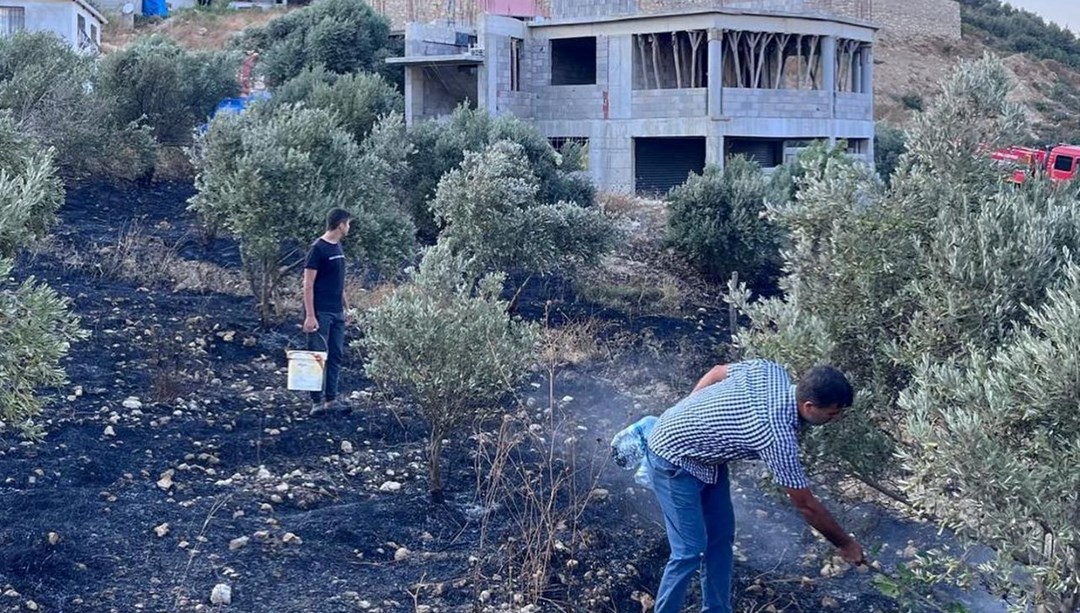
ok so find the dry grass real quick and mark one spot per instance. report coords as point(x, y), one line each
point(201, 29)
point(642, 276)
point(173, 164)
point(574, 343)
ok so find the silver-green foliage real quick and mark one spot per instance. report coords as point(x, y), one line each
point(899, 285)
point(445, 340)
point(36, 326)
point(270, 175)
point(996, 444)
point(491, 212)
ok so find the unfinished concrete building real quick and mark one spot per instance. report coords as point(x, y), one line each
point(657, 91)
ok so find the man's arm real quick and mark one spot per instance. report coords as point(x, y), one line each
point(819, 517)
point(311, 324)
point(717, 374)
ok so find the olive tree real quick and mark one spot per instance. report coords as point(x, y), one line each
point(415, 341)
point(949, 298)
point(716, 221)
point(490, 211)
point(268, 176)
point(36, 325)
point(995, 445)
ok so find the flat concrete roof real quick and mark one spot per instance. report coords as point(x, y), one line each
point(572, 21)
point(455, 59)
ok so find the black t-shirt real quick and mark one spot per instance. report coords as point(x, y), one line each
point(328, 261)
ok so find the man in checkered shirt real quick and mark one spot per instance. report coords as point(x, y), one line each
point(747, 410)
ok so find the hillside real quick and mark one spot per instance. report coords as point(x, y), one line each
point(1044, 59)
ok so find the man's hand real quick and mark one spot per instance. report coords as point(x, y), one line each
point(310, 324)
point(852, 553)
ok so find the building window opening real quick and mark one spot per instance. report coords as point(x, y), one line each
point(573, 61)
point(515, 64)
point(671, 60)
point(12, 20)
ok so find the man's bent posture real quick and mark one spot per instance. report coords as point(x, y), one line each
point(747, 410)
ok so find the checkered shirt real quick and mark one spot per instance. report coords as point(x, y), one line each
point(750, 415)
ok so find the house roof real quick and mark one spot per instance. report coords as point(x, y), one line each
point(93, 11)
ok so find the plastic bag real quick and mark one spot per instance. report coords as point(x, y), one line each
point(628, 448)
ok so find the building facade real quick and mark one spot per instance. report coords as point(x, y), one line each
point(76, 21)
point(656, 94)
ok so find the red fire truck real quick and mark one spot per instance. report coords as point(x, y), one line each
point(1058, 162)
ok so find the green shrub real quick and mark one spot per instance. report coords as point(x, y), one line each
point(356, 101)
point(440, 146)
point(268, 176)
point(490, 212)
point(716, 221)
point(344, 36)
point(30, 188)
point(889, 145)
point(172, 88)
point(414, 341)
point(36, 327)
point(49, 90)
point(951, 300)
point(913, 102)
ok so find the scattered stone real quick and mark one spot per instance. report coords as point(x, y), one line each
point(401, 554)
point(109, 431)
point(292, 538)
point(264, 474)
point(54, 538)
point(162, 530)
point(599, 494)
point(829, 602)
point(390, 486)
point(221, 594)
point(166, 480)
point(346, 447)
point(11, 593)
point(238, 543)
point(30, 604)
point(132, 403)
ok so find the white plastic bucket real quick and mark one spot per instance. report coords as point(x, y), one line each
point(306, 370)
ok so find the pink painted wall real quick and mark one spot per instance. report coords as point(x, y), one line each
point(514, 8)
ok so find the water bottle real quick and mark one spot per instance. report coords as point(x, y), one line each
point(628, 448)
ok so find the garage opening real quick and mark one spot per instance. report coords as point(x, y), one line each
point(573, 61)
point(767, 152)
point(663, 163)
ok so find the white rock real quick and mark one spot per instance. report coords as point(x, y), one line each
point(162, 530)
point(264, 474)
point(165, 482)
point(292, 538)
point(109, 431)
point(221, 594)
point(599, 494)
point(390, 486)
point(401, 554)
point(30, 604)
point(238, 543)
point(346, 447)
point(132, 403)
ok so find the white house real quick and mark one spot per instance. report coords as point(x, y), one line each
point(76, 21)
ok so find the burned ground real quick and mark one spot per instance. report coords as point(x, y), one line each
point(175, 461)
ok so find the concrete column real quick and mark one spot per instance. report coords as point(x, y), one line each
point(716, 73)
point(414, 93)
point(857, 74)
point(867, 70)
point(828, 71)
point(714, 150)
point(620, 76)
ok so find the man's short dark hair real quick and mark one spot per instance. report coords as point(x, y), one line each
point(825, 386)
point(336, 217)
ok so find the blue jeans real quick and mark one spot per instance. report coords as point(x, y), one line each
point(700, 523)
point(330, 337)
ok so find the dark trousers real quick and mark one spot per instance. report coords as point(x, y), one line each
point(330, 337)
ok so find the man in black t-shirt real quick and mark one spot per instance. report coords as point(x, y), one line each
point(325, 305)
